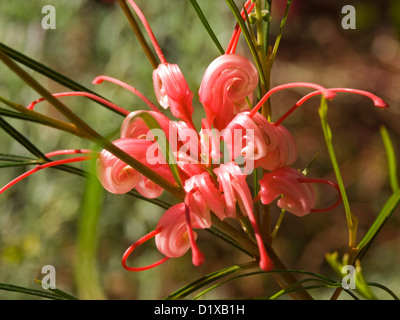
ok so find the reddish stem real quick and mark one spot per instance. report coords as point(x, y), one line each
point(135, 245)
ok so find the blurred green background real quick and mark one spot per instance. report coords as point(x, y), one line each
point(41, 217)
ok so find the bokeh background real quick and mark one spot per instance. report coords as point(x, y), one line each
point(43, 220)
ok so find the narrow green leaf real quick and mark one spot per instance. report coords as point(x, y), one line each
point(50, 73)
point(207, 25)
point(87, 276)
point(34, 292)
point(188, 289)
point(279, 36)
point(351, 219)
point(391, 159)
point(60, 293)
point(387, 210)
point(384, 288)
point(135, 27)
point(21, 139)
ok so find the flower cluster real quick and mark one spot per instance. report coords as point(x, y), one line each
point(214, 179)
point(212, 187)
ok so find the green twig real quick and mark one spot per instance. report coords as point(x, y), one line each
point(207, 25)
point(351, 219)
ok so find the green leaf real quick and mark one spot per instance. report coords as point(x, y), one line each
point(87, 277)
point(188, 289)
point(34, 292)
point(48, 72)
point(207, 25)
point(21, 139)
point(279, 36)
point(387, 210)
point(351, 219)
point(60, 293)
point(391, 159)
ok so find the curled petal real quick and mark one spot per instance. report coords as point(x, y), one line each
point(114, 174)
point(135, 127)
point(172, 91)
point(235, 189)
point(202, 185)
point(173, 240)
point(148, 188)
point(118, 177)
point(226, 174)
point(297, 198)
point(227, 82)
point(256, 139)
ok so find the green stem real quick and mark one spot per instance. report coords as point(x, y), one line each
point(279, 36)
point(207, 25)
point(351, 219)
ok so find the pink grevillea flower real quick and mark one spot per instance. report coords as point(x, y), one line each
point(260, 142)
point(236, 191)
point(297, 194)
point(226, 84)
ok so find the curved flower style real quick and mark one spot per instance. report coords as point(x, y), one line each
point(226, 84)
